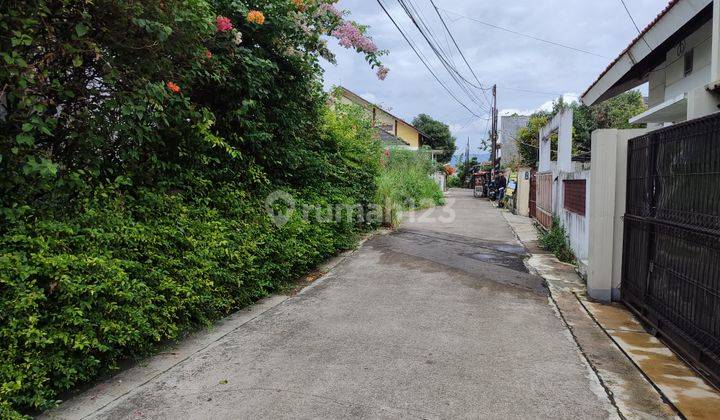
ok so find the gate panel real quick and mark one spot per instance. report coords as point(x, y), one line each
point(671, 250)
point(533, 192)
point(543, 211)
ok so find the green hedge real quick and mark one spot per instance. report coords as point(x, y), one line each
point(130, 268)
point(138, 141)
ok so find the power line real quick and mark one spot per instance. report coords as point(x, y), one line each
point(422, 60)
point(430, 38)
point(432, 41)
point(424, 29)
point(557, 44)
point(437, 11)
point(456, 45)
point(634, 23)
point(531, 91)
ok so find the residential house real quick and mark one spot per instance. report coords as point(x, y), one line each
point(394, 131)
point(678, 55)
point(654, 215)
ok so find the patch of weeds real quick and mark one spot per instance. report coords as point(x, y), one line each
point(555, 240)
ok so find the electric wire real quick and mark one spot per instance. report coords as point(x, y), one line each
point(634, 23)
point(427, 66)
point(452, 37)
point(557, 44)
point(412, 12)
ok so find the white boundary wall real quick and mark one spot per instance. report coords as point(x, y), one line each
point(576, 226)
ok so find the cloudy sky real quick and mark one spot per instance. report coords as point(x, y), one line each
point(513, 62)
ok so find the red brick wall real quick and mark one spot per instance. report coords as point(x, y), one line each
point(574, 196)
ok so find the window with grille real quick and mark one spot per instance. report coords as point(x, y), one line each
point(574, 196)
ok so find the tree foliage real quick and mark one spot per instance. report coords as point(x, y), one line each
point(138, 140)
point(527, 138)
point(466, 169)
point(440, 136)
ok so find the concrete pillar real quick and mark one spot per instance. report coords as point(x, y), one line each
point(522, 200)
point(608, 184)
point(563, 123)
point(565, 126)
point(715, 58)
point(701, 102)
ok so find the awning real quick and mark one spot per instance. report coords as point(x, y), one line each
point(673, 111)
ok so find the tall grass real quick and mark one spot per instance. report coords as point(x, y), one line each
point(405, 184)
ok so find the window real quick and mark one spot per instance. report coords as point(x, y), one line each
point(574, 196)
point(689, 62)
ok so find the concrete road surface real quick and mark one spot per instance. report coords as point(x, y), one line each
point(439, 319)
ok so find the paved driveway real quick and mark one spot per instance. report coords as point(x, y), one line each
point(439, 319)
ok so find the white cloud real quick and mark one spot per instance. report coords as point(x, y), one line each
point(370, 97)
point(546, 106)
point(511, 111)
point(567, 97)
point(472, 125)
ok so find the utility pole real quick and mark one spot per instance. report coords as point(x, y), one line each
point(493, 133)
point(467, 151)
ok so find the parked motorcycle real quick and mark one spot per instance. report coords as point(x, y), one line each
point(492, 191)
point(481, 180)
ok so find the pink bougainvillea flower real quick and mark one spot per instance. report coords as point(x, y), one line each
point(350, 36)
point(345, 42)
point(173, 87)
point(382, 72)
point(331, 9)
point(223, 24)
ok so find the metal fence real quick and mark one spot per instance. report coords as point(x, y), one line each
point(671, 251)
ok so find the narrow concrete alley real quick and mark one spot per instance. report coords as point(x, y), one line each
point(438, 319)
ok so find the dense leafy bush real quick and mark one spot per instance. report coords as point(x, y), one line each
point(126, 270)
point(138, 141)
point(454, 181)
point(405, 183)
point(555, 240)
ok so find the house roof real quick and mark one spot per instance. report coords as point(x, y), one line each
point(676, 17)
point(633, 42)
point(365, 101)
point(388, 139)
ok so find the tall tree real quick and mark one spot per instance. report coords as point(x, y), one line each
point(440, 136)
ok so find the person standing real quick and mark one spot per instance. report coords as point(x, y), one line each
point(501, 184)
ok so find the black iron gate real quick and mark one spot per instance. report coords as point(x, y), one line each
point(671, 251)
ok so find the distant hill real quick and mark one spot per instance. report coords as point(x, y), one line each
point(460, 157)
